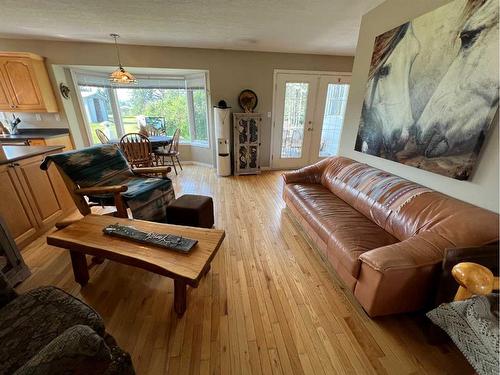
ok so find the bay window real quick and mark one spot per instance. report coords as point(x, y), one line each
point(165, 102)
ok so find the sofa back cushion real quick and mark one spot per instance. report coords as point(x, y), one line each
point(404, 208)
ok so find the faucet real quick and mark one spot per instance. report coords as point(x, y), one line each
point(14, 123)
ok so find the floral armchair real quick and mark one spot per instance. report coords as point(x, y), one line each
point(102, 174)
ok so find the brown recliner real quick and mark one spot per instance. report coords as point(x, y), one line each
point(385, 236)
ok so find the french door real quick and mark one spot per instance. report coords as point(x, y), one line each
point(309, 113)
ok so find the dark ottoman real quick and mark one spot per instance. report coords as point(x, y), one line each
point(191, 210)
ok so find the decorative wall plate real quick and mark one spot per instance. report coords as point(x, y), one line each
point(248, 100)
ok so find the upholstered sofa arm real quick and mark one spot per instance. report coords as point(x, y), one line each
point(79, 349)
point(423, 249)
point(310, 174)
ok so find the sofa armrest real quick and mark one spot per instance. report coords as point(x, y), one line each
point(423, 249)
point(310, 174)
point(78, 350)
point(113, 189)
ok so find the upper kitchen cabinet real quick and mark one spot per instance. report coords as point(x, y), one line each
point(25, 84)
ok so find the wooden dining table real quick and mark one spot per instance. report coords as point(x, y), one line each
point(156, 140)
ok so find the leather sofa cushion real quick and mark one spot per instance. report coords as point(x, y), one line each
point(353, 236)
point(338, 224)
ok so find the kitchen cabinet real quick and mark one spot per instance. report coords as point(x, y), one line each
point(14, 206)
point(32, 200)
point(63, 140)
point(24, 84)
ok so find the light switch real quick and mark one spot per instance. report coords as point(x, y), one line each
point(269, 114)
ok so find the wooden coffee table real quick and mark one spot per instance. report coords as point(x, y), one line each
point(86, 237)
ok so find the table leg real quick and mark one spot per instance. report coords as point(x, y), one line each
point(80, 269)
point(206, 270)
point(180, 297)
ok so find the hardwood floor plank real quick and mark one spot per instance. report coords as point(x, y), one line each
point(270, 304)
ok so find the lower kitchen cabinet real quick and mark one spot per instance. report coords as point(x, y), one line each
point(32, 200)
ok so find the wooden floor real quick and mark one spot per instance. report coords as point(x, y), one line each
point(269, 305)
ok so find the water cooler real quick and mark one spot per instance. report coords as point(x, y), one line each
point(222, 119)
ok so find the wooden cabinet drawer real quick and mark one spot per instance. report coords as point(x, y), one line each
point(37, 142)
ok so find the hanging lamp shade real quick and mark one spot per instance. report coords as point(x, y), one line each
point(120, 76)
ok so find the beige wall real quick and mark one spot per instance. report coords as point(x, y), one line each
point(483, 189)
point(230, 71)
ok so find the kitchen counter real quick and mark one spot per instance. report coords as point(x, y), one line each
point(14, 153)
point(26, 134)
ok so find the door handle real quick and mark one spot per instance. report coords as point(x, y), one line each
point(309, 129)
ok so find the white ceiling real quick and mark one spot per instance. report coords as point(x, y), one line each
point(303, 26)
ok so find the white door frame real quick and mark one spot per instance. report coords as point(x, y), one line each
point(275, 87)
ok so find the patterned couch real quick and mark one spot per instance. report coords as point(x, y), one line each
point(47, 331)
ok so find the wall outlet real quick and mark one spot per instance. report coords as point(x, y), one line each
point(57, 117)
point(38, 117)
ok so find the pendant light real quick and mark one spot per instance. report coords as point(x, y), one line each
point(120, 76)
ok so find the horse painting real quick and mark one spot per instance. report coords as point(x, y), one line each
point(432, 90)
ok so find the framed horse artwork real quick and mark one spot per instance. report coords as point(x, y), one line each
point(432, 90)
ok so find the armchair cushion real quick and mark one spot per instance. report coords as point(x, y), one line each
point(78, 350)
point(31, 321)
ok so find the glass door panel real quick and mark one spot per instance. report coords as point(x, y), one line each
point(333, 118)
point(294, 118)
point(294, 113)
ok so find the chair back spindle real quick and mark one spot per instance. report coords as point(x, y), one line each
point(137, 149)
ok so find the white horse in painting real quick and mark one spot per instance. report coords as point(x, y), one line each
point(463, 105)
point(407, 90)
point(392, 113)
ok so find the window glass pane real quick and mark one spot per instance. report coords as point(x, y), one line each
point(200, 116)
point(294, 117)
point(164, 108)
point(97, 108)
point(333, 119)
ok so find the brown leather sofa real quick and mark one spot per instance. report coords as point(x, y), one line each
point(384, 236)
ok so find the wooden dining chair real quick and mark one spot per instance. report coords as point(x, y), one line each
point(102, 137)
point(137, 150)
point(172, 151)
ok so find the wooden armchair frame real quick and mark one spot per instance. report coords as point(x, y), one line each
point(78, 194)
point(473, 279)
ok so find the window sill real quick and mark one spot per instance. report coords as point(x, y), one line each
point(195, 144)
